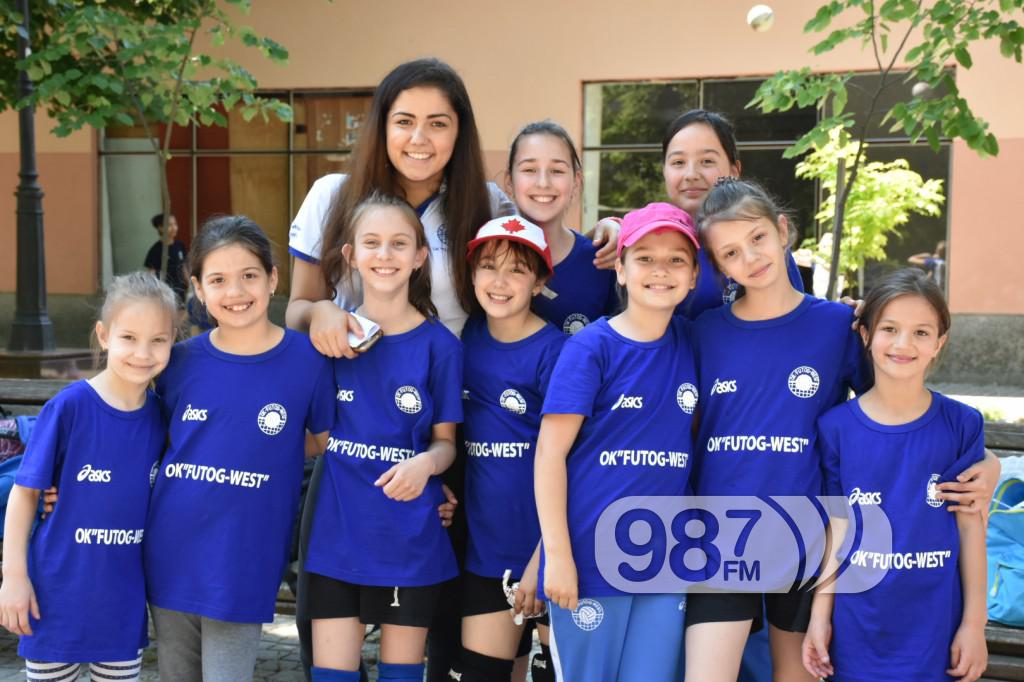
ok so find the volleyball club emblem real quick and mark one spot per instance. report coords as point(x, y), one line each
point(686, 398)
point(272, 419)
point(588, 614)
point(407, 398)
point(931, 491)
point(729, 293)
point(803, 381)
point(574, 323)
point(513, 401)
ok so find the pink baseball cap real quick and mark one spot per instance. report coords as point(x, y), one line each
point(517, 229)
point(652, 218)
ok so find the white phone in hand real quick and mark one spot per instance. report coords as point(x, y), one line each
point(371, 332)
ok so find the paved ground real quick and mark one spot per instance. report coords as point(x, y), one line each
point(278, 658)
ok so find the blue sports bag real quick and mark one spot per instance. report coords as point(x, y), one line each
point(1005, 542)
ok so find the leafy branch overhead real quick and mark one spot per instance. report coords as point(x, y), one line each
point(912, 42)
point(129, 62)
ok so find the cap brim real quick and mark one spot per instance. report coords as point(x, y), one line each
point(544, 255)
point(656, 227)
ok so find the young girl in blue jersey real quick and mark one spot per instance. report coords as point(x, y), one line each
point(240, 400)
point(617, 422)
point(925, 620)
point(76, 592)
point(509, 353)
point(770, 364)
point(544, 177)
point(377, 552)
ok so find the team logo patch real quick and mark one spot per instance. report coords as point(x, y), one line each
point(513, 401)
point(574, 323)
point(407, 398)
point(730, 292)
point(931, 491)
point(588, 614)
point(803, 381)
point(686, 398)
point(153, 473)
point(272, 419)
point(442, 236)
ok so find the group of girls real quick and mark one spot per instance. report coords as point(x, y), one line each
point(417, 241)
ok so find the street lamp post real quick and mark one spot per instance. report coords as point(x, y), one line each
point(32, 329)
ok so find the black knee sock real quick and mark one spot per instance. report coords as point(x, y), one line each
point(474, 667)
point(541, 667)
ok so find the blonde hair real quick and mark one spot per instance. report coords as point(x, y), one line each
point(135, 286)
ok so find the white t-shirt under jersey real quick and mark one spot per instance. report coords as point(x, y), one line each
point(306, 234)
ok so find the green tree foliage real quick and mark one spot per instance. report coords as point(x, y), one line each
point(883, 199)
point(920, 39)
point(134, 62)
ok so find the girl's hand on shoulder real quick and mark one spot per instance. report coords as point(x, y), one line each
point(406, 480)
point(527, 602)
point(17, 600)
point(329, 326)
point(973, 489)
point(561, 583)
point(968, 653)
point(858, 307)
point(815, 648)
point(446, 510)
point(605, 236)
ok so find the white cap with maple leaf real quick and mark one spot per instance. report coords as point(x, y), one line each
point(516, 229)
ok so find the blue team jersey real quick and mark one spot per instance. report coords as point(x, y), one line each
point(713, 291)
point(638, 400)
point(388, 400)
point(228, 489)
point(763, 385)
point(902, 628)
point(504, 387)
point(577, 293)
point(85, 559)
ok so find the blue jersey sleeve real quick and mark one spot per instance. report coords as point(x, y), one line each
point(828, 449)
point(44, 454)
point(972, 440)
point(446, 386)
point(794, 272)
point(857, 373)
point(321, 407)
point(575, 380)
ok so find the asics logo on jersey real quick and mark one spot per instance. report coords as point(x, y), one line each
point(346, 395)
point(631, 402)
point(864, 498)
point(87, 473)
point(720, 386)
point(452, 675)
point(193, 415)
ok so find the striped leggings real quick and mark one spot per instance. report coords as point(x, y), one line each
point(122, 671)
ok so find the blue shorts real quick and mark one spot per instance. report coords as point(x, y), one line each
point(632, 638)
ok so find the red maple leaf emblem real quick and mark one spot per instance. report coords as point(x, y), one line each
point(513, 226)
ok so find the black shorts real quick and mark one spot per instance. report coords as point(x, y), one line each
point(482, 595)
point(332, 598)
point(789, 611)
